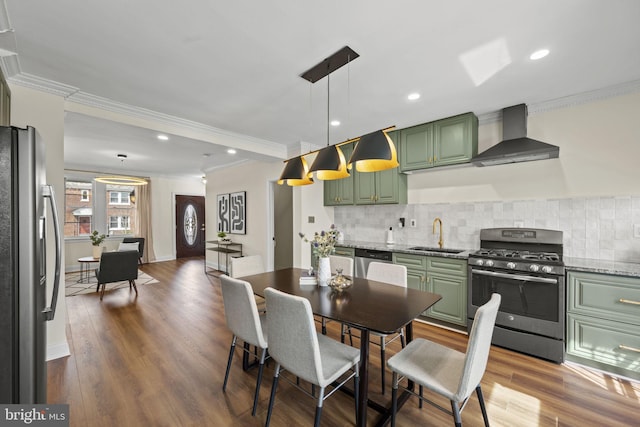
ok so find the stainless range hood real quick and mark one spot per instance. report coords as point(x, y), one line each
point(515, 147)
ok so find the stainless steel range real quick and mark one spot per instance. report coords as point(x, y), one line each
point(525, 266)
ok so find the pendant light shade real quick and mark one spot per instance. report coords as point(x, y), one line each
point(330, 164)
point(374, 152)
point(296, 172)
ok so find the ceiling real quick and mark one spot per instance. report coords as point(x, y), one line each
point(230, 70)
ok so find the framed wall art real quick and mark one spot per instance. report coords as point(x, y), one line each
point(237, 212)
point(222, 204)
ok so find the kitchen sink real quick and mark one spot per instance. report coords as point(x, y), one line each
point(441, 250)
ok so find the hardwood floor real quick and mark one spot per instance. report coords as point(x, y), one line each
point(159, 360)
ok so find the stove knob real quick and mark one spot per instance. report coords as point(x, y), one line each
point(479, 262)
point(489, 263)
point(511, 265)
point(547, 269)
point(534, 267)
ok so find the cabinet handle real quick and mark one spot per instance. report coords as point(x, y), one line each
point(626, 347)
point(628, 301)
point(430, 159)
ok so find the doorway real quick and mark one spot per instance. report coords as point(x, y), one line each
point(282, 208)
point(189, 226)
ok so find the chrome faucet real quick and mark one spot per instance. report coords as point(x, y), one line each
point(440, 242)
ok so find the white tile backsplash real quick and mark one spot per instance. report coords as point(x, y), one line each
point(599, 227)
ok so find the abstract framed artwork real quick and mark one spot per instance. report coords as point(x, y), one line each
point(222, 204)
point(237, 212)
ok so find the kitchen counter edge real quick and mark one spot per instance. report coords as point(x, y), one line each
point(464, 254)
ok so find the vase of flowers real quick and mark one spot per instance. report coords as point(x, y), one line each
point(96, 242)
point(323, 244)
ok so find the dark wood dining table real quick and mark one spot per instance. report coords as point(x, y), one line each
point(368, 305)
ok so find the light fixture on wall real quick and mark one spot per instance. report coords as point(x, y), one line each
point(121, 179)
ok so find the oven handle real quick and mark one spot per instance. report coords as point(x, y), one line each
point(515, 276)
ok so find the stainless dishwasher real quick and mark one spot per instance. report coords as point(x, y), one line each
point(363, 257)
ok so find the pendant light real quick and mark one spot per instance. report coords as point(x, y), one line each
point(374, 152)
point(121, 179)
point(296, 173)
point(329, 162)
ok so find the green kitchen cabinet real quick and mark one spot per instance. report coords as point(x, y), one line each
point(603, 322)
point(444, 276)
point(416, 269)
point(448, 277)
point(449, 141)
point(383, 187)
point(340, 191)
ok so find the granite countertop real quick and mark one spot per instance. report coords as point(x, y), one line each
point(574, 264)
point(606, 267)
point(463, 254)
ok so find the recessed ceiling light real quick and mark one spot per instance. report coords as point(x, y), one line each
point(231, 151)
point(162, 137)
point(539, 54)
point(335, 122)
point(413, 96)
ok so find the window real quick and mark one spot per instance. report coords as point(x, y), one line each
point(118, 223)
point(91, 205)
point(119, 197)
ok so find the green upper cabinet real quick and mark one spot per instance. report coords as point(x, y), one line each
point(388, 186)
point(444, 142)
point(340, 191)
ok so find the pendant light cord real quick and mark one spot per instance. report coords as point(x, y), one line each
point(328, 102)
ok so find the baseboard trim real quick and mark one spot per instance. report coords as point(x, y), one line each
point(58, 350)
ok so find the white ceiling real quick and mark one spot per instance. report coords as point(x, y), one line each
point(233, 67)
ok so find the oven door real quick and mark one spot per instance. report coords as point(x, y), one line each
point(532, 303)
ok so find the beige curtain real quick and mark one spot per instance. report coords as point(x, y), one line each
point(143, 200)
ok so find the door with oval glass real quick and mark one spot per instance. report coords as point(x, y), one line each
point(189, 226)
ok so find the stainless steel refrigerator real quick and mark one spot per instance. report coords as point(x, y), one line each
point(24, 196)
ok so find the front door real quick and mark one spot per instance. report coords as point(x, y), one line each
point(189, 226)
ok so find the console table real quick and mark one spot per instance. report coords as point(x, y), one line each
point(228, 249)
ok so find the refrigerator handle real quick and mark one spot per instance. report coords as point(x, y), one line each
point(48, 193)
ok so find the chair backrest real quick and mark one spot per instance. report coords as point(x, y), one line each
point(241, 311)
point(117, 266)
point(343, 262)
point(293, 341)
point(247, 265)
point(394, 274)
point(478, 347)
point(139, 241)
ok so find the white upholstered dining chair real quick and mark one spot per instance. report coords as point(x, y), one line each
point(247, 266)
point(445, 371)
point(296, 347)
point(244, 320)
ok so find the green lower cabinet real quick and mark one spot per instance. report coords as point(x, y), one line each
point(603, 322)
point(443, 276)
point(448, 277)
point(344, 251)
point(416, 269)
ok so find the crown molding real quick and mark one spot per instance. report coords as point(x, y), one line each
point(40, 84)
point(569, 101)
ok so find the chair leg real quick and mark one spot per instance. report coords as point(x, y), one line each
point(420, 400)
point(272, 398)
point(316, 423)
point(258, 381)
point(226, 375)
point(456, 414)
point(324, 326)
point(356, 388)
point(394, 399)
point(382, 362)
point(483, 408)
point(135, 288)
point(104, 285)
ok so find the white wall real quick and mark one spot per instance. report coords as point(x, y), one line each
point(163, 211)
point(45, 112)
point(599, 155)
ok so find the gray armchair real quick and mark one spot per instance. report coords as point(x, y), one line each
point(117, 267)
point(140, 242)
